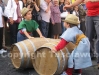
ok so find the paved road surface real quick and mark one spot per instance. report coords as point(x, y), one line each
point(6, 68)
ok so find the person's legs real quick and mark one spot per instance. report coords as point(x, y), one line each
point(78, 71)
point(96, 23)
point(1, 38)
point(62, 25)
point(44, 27)
point(1, 41)
point(82, 27)
point(57, 37)
point(90, 30)
point(21, 37)
point(13, 32)
point(68, 71)
point(47, 29)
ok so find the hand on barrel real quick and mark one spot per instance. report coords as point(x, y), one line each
point(31, 37)
point(41, 36)
point(54, 50)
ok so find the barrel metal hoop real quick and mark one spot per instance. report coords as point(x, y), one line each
point(32, 45)
point(57, 57)
point(67, 51)
point(21, 54)
point(46, 39)
point(28, 60)
point(58, 63)
point(63, 59)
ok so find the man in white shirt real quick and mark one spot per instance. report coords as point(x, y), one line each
point(45, 14)
point(14, 15)
point(1, 31)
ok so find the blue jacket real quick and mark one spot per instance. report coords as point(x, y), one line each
point(80, 56)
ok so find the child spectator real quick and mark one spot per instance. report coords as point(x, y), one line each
point(76, 12)
point(64, 13)
point(61, 4)
point(73, 34)
point(27, 26)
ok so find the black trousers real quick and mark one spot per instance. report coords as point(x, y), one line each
point(13, 32)
point(1, 37)
point(82, 27)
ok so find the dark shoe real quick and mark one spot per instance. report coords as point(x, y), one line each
point(98, 66)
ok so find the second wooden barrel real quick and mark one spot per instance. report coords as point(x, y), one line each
point(48, 63)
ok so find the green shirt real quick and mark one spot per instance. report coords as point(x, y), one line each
point(30, 25)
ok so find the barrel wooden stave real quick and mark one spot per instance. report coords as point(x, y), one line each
point(59, 62)
point(27, 49)
point(43, 65)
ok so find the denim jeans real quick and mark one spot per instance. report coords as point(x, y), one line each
point(92, 27)
point(21, 37)
point(63, 28)
point(97, 49)
point(44, 27)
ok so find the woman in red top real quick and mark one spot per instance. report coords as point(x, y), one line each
point(92, 21)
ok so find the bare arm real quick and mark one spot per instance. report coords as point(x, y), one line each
point(27, 35)
point(45, 8)
point(77, 2)
point(48, 8)
point(39, 32)
point(36, 7)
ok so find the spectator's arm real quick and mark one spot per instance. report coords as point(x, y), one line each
point(26, 34)
point(52, 19)
point(39, 32)
point(77, 2)
point(36, 7)
point(46, 9)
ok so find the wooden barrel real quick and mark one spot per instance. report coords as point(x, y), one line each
point(22, 52)
point(48, 63)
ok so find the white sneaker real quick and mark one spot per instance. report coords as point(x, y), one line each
point(79, 74)
point(2, 51)
point(64, 73)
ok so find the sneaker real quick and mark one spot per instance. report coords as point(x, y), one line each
point(98, 66)
point(64, 73)
point(79, 74)
point(2, 51)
